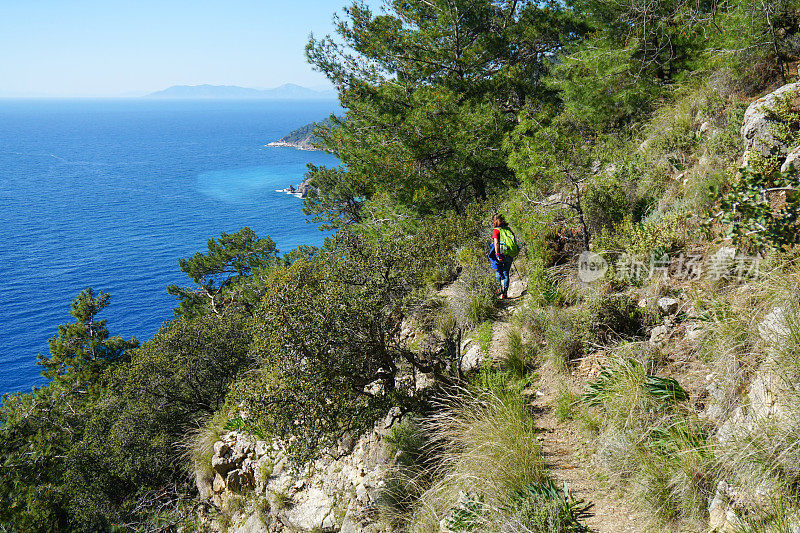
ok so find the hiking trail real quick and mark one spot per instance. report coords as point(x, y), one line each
point(567, 459)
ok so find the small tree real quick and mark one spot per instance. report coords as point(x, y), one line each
point(40, 431)
point(226, 274)
point(431, 87)
point(551, 157)
point(82, 349)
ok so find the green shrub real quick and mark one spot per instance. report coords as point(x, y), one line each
point(615, 316)
point(410, 474)
point(667, 232)
point(406, 442)
point(755, 219)
point(605, 203)
point(784, 124)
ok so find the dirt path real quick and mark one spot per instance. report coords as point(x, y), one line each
point(561, 441)
point(569, 463)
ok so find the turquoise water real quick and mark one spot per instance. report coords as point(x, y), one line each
point(110, 193)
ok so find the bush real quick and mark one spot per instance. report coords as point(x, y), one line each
point(756, 219)
point(606, 202)
point(615, 316)
point(640, 240)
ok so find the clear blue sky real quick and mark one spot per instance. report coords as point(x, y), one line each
point(115, 47)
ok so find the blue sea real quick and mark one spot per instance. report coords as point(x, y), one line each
point(110, 193)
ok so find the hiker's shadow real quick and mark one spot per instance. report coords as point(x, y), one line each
point(511, 300)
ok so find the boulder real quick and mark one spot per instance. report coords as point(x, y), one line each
point(792, 160)
point(756, 129)
point(471, 360)
point(668, 306)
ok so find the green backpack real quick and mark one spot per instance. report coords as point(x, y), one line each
point(508, 243)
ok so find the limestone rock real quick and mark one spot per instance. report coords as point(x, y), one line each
point(219, 483)
point(471, 360)
point(315, 513)
point(721, 516)
point(253, 524)
point(346, 480)
point(694, 331)
point(774, 327)
point(659, 334)
point(668, 306)
point(792, 159)
point(239, 480)
point(756, 127)
point(393, 416)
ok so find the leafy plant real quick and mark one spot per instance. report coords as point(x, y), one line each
point(545, 507)
point(761, 210)
point(631, 371)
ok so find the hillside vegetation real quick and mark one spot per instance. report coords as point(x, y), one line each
point(644, 377)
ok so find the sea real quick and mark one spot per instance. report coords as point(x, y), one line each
point(110, 193)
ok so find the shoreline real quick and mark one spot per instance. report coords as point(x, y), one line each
point(298, 146)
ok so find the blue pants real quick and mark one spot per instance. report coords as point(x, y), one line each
point(503, 273)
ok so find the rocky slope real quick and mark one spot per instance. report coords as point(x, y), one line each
point(253, 488)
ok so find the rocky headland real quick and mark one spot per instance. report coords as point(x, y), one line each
point(302, 138)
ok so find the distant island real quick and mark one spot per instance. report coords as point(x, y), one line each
point(302, 138)
point(288, 91)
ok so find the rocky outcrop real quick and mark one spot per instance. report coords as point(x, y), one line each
point(336, 493)
point(757, 127)
point(303, 144)
point(301, 191)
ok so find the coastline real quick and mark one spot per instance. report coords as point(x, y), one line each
point(298, 146)
point(301, 191)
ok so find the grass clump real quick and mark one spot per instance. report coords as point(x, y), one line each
point(652, 438)
point(484, 334)
point(566, 334)
point(565, 404)
point(520, 356)
point(485, 446)
point(547, 509)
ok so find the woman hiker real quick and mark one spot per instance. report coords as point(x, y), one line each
point(502, 253)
